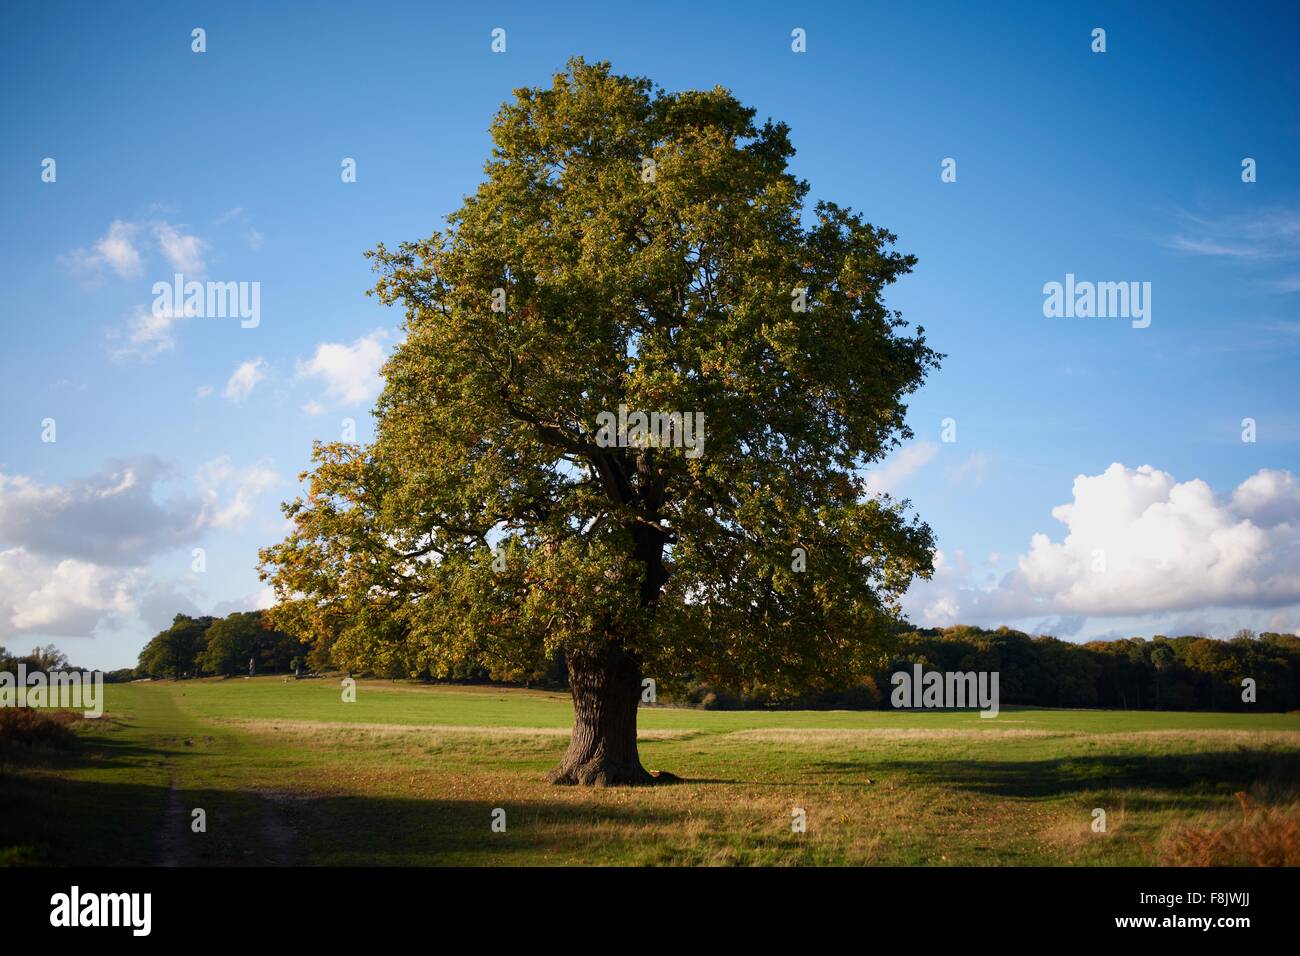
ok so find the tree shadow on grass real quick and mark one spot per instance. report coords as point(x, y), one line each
point(57, 821)
point(106, 802)
point(1191, 778)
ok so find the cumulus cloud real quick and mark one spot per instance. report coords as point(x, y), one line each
point(119, 250)
point(1139, 542)
point(110, 518)
point(244, 379)
point(350, 373)
point(887, 476)
point(148, 331)
point(74, 555)
point(59, 597)
point(1268, 497)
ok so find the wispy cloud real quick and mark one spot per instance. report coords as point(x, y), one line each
point(230, 493)
point(244, 379)
point(149, 332)
point(885, 478)
point(185, 253)
point(115, 250)
point(973, 470)
point(1270, 234)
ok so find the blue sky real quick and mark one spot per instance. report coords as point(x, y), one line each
point(1115, 166)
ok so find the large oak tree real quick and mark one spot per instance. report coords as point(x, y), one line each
point(628, 247)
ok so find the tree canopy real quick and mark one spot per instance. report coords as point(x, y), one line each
point(175, 651)
point(212, 645)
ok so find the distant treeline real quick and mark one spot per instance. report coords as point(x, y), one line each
point(219, 646)
point(49, 658)
point(1164, 673)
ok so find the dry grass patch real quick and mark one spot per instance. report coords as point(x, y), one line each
point(1260, 835)
point(1249, 739)
point(318, 728)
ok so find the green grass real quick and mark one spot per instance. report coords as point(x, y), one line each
point(409, 774)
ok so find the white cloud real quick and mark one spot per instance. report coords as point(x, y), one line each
point(73, 556)
point(58, 598)
point(1268, 497)
point(1209, 247)
point(119, 251)
point(231, 493)
point(111, 517)
point(183, 252)
point(148, 334)
point(71, 553)
point(245, 379)
point(350, 372)
point(1138, 542)
point(1259, 235)
point(887, 476)
point(116, 250)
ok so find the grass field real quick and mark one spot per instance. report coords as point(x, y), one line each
point(410, 774)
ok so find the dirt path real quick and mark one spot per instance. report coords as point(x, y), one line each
point(261, 830)
point(175, 847)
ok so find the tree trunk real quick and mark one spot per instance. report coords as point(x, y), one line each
point(606, 689)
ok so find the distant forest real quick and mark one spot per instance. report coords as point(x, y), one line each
point(1164, 673)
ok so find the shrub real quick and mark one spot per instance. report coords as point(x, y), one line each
point(25, 728)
